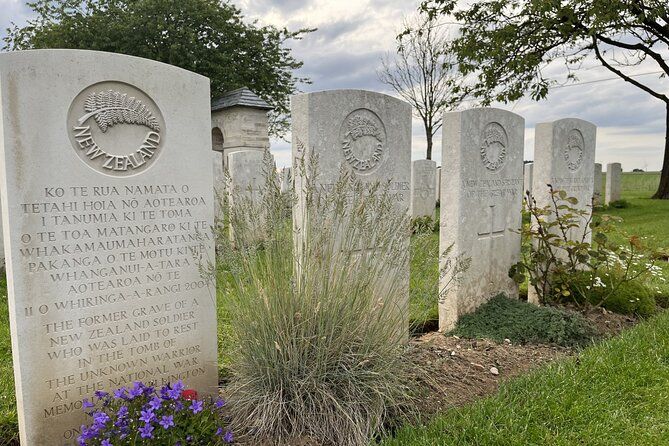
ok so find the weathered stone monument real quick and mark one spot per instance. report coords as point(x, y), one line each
point(240, 118)
point(564, 157)
point(483, 179)
point(528, 173)
point(598, 182)
point(219, 182)
point(286, 179)
point(365, 133)
point(423, 182)
point(107, 206)
point(437, 186)
point(247, 173)
point(614, 176)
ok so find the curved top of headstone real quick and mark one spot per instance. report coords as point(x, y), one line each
point(350, 92)
point(574, 122)
point(487, 111)
point(63, 56)
point(242, 97)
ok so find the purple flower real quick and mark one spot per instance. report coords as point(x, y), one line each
point(147, 416)
point(106, 442)
point(219, 431)
point(100, 394)
point(100, 418)
point(122, 412)
point(146, 431)
point(219, 403)
point(87, 404)
point(174, 392)
point(196, 406)
point(178, 406)
point(120, 393)
point(137, 390)
point(228, 438)
point(167, 421)
point(155, 403)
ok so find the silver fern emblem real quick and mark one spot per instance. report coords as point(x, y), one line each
point(112, 107)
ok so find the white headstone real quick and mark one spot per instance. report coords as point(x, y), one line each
point(528, 173)
point(106, 183)
point(564, 157)
point(438, 185)
point(366, 133)
point(247, 172)
point(481, 202)
point(423, 182)
point(219, 182)
point(614, 176)
point(598, 180)
point(286, 179)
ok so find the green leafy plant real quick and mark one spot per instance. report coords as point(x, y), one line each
point(562, 251)
point(424, 225)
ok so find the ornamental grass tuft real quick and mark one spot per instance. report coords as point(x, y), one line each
point(321, 324)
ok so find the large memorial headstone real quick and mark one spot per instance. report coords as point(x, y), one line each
point(614, 177)
point(363, 132)
point(598, 185)
point(564, 157)
point(107, 205)
point(423, 182)
point(481, 200)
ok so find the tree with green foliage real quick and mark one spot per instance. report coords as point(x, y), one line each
point(509, 43)
point(208, 37)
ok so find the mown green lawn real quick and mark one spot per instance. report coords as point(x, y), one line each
point(614, 393)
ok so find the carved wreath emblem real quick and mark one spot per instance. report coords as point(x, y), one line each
point(493, 147)
point(126, 151)
point(573, 151)
point(363, 140)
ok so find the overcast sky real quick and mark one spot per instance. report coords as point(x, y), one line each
point(352, 36)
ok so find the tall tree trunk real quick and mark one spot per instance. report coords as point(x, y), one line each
point(663, 190)
point(428, 135)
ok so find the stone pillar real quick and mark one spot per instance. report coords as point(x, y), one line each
point(423, 181)
point(481, 207)
point(597, 189)
point(286, 179)
point(614, 176)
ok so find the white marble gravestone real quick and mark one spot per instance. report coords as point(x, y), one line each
point(219, 182)
point(247, 173)
point(423, 182)
point(437, 185)
point(564, 157)
point(362, 132)
point(528, 173)
point(614, 177)
point(107, 203)
point(598, 184)
point(481, 200)
point(286, 179)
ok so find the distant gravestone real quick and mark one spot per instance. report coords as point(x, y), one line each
point(528, 173)
point(363, 132)
point(107, 204)
point(247, 173)
point(423, 181)
point(598, 184)
point(564, 157)
point(614, 176)
point(481, 217)
point(219, 182)
point(437, 187)
point(286, 179)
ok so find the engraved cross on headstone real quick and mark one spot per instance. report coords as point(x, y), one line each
point(491, 228)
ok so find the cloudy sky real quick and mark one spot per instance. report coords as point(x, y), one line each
point(353, 35)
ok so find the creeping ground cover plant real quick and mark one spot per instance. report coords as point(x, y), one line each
point(145, 415)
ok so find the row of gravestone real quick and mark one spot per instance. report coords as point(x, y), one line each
point(107, 207)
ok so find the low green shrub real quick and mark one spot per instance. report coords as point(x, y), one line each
point(424, 225)
point(631, 297)
point(503, 318)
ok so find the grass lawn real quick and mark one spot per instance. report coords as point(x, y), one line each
point(614, 393)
